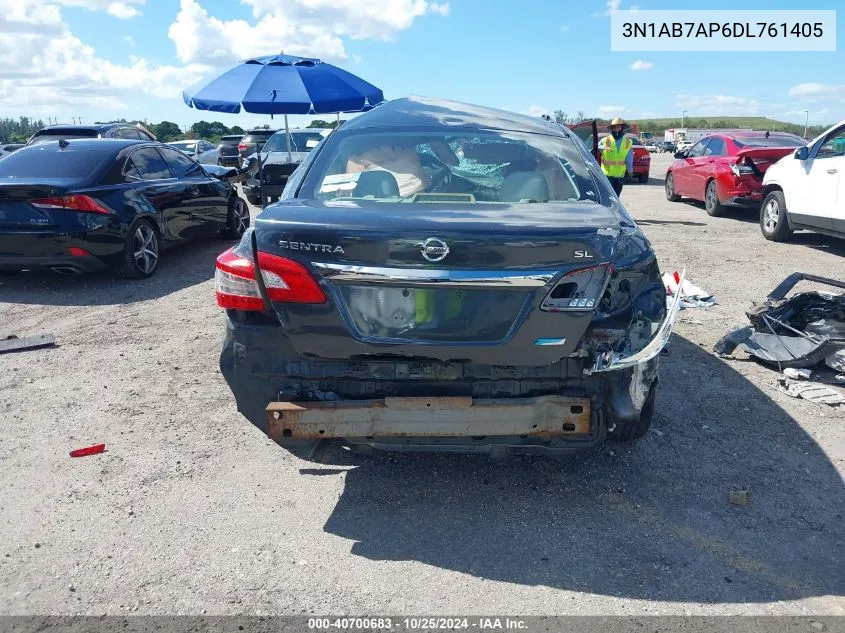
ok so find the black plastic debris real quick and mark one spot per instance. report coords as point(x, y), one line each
point(801, 331)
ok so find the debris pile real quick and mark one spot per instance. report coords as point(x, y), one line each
point(804, 331)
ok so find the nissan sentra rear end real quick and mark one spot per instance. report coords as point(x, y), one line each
point(443, 277)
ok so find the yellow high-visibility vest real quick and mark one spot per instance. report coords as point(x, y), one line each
point(613, 158)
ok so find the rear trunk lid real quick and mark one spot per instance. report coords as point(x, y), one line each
point(455, 283)
point(17, 211)
point(761, 158)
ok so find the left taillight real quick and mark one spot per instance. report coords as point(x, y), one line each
point(285, 280)
point(79, 203)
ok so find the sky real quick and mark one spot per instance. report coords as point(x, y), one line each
point(107, 59)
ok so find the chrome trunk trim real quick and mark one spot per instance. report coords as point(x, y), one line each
point(345, 273)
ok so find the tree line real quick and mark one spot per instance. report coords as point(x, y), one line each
point(21, 129)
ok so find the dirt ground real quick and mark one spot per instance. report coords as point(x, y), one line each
point(191, 510)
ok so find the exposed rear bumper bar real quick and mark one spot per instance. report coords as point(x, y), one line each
point(444, 417)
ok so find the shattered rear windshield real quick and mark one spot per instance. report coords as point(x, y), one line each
point(450, 166)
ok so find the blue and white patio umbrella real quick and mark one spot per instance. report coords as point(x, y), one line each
point(284, 84)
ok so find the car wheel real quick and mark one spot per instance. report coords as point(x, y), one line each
point(671, 196)
point(635, 430)
point(774, 222)
point(140, 253)
point(238, 221)
point(643, 178)
point(712, 205)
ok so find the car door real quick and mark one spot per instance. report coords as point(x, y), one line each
point(815, 192)
point(705, 167)
point(684, 173)
point(166, 193)
point(206, 200)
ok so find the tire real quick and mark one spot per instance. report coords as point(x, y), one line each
point(141, 252)
point(636, 430)
point(774, 219)
point(237, 221)
point(643, 178)
point(671, 196)
point(712, 205)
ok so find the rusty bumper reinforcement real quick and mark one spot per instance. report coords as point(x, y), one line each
point(546, 416)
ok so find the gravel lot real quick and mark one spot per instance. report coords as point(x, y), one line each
point(192, 510)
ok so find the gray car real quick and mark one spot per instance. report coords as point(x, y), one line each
point(277, 163)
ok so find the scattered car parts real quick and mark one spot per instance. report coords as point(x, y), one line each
point(801, 331)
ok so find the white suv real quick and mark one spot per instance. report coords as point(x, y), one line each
point(807, 189)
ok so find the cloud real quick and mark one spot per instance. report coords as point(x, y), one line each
point(315, 28)
point(130, 41)
point(123, 10)
point(610, 5)
point(535, 110)
point(50, 69)
point(641, 65)
point(724, 105)
point(610, 110)
point(814, 91)
point(442, 9)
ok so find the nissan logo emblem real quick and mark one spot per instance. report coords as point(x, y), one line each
point(434, 249)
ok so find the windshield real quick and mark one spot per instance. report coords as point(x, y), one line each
point(774, 140)
point(441, 166)
point(299, 142)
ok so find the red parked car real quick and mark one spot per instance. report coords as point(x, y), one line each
point(727, 170)
point(642, 157)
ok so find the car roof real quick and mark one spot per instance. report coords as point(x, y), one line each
point(432, 112)
point(102, 144)
point(80, 126)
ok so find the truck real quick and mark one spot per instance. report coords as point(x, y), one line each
point(693, 135)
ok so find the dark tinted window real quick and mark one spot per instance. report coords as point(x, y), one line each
point(298, 142)
point(145, 137)
point(129, 132)
point(234, 137)
point(715, 148)
point(150, 164)
point(45, 136)
point(130, 172)
point(774, 140)
point(180, 164)
point(48, 161)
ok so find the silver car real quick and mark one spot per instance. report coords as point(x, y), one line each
point(201, 151)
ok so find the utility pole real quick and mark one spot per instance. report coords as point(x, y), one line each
point(683, 118)
point(806, 122)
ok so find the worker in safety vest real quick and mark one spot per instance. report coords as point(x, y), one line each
point(617, 154)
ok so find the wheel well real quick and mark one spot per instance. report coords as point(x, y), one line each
point(770, 188)
point(149, 219)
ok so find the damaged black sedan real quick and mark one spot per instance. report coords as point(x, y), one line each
point(444, 277)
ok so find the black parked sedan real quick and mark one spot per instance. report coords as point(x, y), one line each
point(445, 277)
point(81, 205)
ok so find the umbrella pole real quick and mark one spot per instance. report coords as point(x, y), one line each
point(258, 147)
point(287, 135)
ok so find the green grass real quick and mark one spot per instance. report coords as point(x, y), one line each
point(753, 122)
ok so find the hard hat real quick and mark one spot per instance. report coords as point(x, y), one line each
point(617, 121)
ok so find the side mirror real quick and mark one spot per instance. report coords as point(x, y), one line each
point(802, 153)
point(680, 154)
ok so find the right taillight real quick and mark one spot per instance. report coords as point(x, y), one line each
point(242, 147)
point(580, 289)
point(286, 281)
